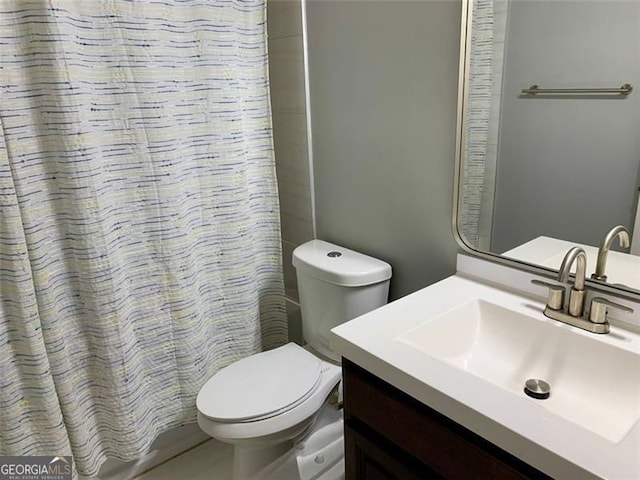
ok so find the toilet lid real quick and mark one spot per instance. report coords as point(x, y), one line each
point(261, 385)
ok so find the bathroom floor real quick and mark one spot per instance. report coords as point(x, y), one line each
point(208, 461)
point(318, 455)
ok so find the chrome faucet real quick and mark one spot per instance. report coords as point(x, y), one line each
point(573, 312)
point(576, 293)
point(623, 234)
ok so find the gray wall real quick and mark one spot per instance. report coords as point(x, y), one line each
point(383, 83)
point(567, 168)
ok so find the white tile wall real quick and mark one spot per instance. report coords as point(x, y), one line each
point(284, 18)
point(290, 138)
point(290, 284)
point(296, 199)
point(286, 72)
point(294, 229)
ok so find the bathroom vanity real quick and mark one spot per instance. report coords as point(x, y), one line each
point(388, 435)
point(434, 389)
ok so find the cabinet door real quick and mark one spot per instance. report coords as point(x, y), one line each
point(370, 458)
point(389, 417)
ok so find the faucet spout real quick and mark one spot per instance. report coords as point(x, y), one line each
point(575, 254)
point(573, 311)
point(623, 234)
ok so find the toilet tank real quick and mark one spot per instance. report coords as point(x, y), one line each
point(335, 285)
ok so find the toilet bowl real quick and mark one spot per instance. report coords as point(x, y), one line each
point(266, 403)
point(276, 395)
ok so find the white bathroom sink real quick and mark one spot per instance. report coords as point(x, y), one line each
point(593, 384)
point(465, 349)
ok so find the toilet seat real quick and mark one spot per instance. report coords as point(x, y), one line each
point(260, 386)
point(303, 380)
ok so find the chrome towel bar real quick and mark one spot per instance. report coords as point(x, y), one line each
point(624, 90)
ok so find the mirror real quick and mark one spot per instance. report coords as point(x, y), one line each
point(550, 131)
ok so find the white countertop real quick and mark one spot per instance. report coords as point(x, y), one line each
point(515, 423)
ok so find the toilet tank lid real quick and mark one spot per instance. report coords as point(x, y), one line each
point(339, 265)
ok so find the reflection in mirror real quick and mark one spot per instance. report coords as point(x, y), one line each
point(543, 172)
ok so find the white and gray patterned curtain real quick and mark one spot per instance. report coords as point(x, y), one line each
point(139, 230)
point(478, 109)
point(488, 30)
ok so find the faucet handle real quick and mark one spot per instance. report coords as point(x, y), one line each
point(555, 298)
point(598, 313)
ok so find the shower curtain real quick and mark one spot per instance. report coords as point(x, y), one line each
point(139, 228)
point(488, 31)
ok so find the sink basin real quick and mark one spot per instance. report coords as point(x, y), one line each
point(593, 383)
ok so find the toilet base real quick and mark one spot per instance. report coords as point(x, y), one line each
point(320, 454)
point(316, 454)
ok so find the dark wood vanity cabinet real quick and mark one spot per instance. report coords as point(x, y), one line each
point(390, 435)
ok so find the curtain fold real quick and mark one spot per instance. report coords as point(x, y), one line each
point(31, 421)
point(143, 205)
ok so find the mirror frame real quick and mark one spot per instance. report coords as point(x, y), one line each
point(461, 119)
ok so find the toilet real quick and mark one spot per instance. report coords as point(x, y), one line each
point(267, 403)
